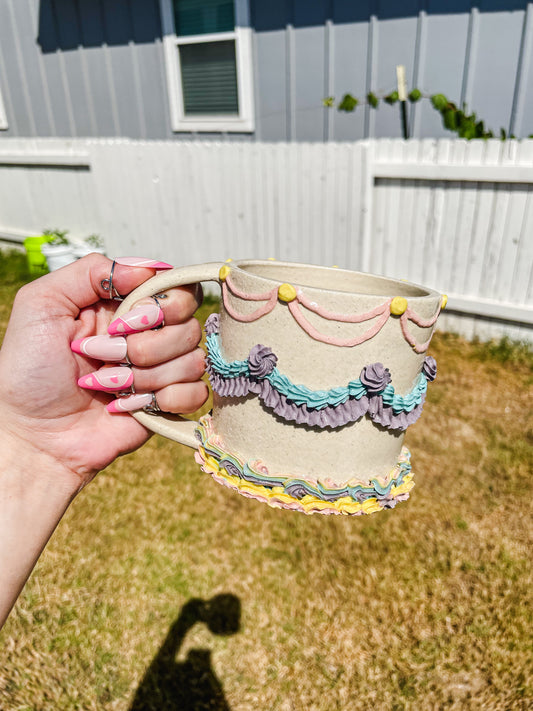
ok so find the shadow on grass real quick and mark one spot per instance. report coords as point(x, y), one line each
point(191, 685)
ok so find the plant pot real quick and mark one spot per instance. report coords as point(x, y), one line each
point(36, 259)
point(58, 255)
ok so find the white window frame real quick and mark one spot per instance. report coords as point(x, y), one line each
point(244, 122)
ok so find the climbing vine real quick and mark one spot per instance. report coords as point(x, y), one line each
point(465, 125)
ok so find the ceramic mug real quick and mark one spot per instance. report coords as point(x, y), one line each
point(316, 373)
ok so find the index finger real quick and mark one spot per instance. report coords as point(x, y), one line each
point(174, 306)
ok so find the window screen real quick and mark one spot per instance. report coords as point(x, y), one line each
point(209, 78)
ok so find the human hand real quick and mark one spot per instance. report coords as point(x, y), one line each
point(43, 407)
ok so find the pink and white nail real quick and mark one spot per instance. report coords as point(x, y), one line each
point(101, 347)
point(108, 380)
point(142, 262)
point(140, 318)
point(129, 404)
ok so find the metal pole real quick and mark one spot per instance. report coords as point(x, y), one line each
point(403, 110)
point(402, 95)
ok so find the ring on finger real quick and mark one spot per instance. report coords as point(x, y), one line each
point(156, 298)
point(107, 285)
point(131, 390)
point(153, 407)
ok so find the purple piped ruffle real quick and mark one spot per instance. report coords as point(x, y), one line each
point(331, 416)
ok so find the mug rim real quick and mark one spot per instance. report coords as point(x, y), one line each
point(391, 287)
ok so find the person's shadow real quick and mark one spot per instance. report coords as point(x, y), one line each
point(191, 685)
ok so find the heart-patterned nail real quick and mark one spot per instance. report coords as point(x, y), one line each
point(139, 318)
point(108, 380)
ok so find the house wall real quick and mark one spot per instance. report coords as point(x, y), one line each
point(95, 67)
point(84, 68)
point(453, 215)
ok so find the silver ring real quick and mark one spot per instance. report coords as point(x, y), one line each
point(131, 390)
point(125, 393)
point(153, 408)
point(156, 298)
point(107, 285)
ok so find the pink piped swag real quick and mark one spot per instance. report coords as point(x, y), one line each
point(380, 313)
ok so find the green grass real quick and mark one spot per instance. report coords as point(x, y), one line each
point(13, 268)
point(428, 606)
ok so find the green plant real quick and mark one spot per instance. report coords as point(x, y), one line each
point(94, 241)
point(56, 236)
point(348, 103)
point(458, 120)
point(391, 98)
point(372, 99)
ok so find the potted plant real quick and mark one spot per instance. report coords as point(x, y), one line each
point(57, 250)
point(92, 243)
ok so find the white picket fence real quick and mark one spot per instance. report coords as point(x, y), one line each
point(453, 215)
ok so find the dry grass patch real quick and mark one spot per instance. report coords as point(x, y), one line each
point(424, 607)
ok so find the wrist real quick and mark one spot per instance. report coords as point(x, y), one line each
point(31, 473)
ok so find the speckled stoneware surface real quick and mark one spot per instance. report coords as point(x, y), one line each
point(361, 449)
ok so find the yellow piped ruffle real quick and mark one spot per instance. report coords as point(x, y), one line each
point(277, 498)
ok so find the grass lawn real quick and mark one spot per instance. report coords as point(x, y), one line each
point(162, 590)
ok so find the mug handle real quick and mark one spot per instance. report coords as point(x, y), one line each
point(171, 426)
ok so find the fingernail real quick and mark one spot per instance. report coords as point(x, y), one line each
point(108, 380)
point(142, 262)
point(140, 318)
point(128, 404)
point(101, 347)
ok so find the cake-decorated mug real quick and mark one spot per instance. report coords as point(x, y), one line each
point(316, 374)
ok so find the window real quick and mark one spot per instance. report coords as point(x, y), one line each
point(208, 57)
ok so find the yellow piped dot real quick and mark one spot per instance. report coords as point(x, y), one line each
point(444, 301)
point(398, 306)
point(229, 259)
point(286, 292)
point(224, 272)
point(271, 259)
